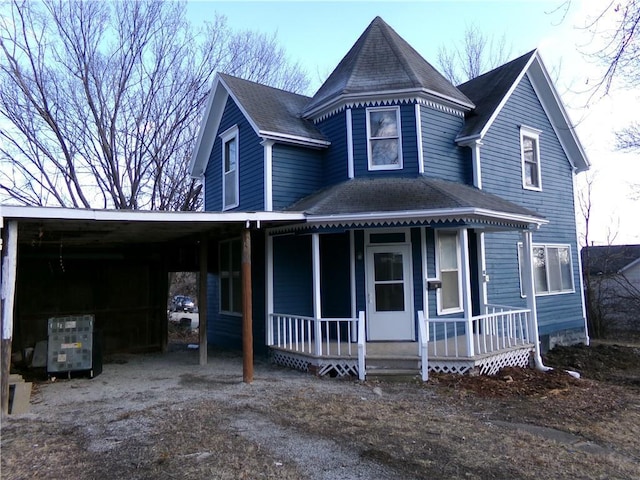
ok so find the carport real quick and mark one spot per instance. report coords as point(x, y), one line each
point(113, 264)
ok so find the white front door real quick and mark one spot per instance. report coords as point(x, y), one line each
point(389, 293)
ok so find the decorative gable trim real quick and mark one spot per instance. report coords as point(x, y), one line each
point(469, 216)
point(389, 101)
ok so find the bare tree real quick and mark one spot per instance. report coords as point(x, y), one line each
point(615, 46)
point(477, 54)
point(100, 101)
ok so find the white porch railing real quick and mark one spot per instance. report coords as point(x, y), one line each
point(316, 336)
point(500, 328)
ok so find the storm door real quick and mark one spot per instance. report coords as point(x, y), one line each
point(389, 298)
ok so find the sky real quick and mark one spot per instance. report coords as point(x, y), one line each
point(317, 34)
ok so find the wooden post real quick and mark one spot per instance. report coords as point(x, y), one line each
point(202, 299)
point(7, 296)
point(247, 320)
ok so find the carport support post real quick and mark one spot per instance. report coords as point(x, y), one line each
point(7, 295)
point(202, 300)
point(247, 320)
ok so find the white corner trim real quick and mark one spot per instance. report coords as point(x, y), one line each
point(419, 138)
point(268, 174)
point(350, 165)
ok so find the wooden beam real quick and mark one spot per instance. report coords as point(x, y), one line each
point(7, 297)
point(247, 320)
point(202, 299)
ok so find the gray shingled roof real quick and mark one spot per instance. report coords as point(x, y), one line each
point(272, 109)
point(609, 259)
point(400, 194)
point(487, 91)
point(381, 60)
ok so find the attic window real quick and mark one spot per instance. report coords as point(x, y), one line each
point(530, 152)
point(384, 142)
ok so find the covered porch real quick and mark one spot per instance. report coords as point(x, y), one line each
point(363, 293)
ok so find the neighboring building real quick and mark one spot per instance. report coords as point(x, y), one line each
point(612, 276)
point(431, 211)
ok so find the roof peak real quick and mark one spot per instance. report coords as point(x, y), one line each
point(382, 62)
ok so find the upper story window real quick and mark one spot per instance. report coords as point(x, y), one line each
point(530, 152)
point(552, 269)
point(230, 193)
point(383, 135)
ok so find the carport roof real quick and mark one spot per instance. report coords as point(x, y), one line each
point(86, 227)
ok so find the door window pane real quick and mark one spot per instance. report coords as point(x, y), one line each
point(388, 266)
point(389, 297)
point(450, 293)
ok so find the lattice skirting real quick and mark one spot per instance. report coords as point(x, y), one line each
point(334, 367)
point(488, 365)
point(343, 367)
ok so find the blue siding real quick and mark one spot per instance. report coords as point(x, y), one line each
point(226, 330)
point(335, 158)
point(502, 175)
point(443, 158)
point(297, 172)
point(250, 164)
point(361, 289)
point(292, 275)
point(409, 143)
point(416, 256)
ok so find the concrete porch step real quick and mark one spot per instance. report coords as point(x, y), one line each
point(393, 374)
point(388, 362)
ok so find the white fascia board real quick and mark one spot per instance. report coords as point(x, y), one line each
point(59, 213)
point(293, 139)
point(439, 214)
point(388, 96)
point(208, 130)
point(505, 99)
point(560, 121)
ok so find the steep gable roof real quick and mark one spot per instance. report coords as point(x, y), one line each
point(488, 90)
point(273, 114)
point(610, 259)
point(491, 91)
point(381, 61)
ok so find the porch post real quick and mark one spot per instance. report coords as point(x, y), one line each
point(269, 283)
point(529, 291)
point(7, 298)
point(247, 307)
point(317, 299)
point(202, 300)
point(466, 289)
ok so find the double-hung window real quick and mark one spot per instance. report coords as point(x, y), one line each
point(552, 269)
point(448, 267)
point(230, 279)
point(384, 142)
point(230, 187)
point(530, 153)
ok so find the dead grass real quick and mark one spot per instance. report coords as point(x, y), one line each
point(452, 427)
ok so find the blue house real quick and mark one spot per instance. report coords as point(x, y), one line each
point(437, 225)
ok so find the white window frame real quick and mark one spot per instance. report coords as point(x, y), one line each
point(230, 274)
point(459, 308)
point(547, 292)
point(227, 136)
point(533, 134)
point(397, 166)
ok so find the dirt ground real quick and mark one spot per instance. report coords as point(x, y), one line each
point(165, 417)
